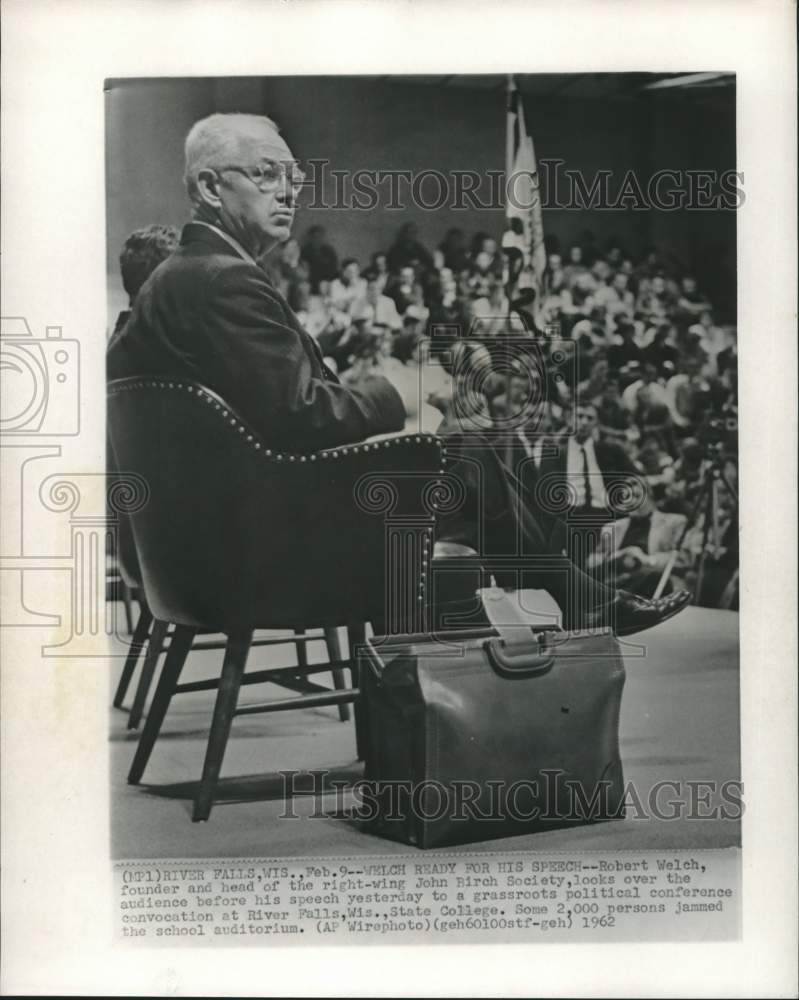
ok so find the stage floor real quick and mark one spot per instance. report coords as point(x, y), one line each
point(679, 722)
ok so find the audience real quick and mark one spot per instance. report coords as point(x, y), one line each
point(653, 365)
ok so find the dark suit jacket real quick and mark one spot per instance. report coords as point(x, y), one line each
point(611, 458)
point(209, 315)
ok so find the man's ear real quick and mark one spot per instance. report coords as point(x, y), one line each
point(208, 187)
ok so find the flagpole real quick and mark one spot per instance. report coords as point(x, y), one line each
point(510, 122)
point(510, 156)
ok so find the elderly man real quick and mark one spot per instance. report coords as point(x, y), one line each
point(210, 313)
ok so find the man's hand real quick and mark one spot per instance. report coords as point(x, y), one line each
point(461, 411)
point(633, 558)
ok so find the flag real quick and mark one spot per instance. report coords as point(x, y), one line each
point(525, 225)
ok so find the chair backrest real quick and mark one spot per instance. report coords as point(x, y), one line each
point(236, 535)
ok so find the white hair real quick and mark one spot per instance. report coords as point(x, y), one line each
point(218, 140)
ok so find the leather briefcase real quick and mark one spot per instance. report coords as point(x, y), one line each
point(490, 732)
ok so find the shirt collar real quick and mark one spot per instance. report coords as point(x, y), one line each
point(229, 240)
point(588, 444)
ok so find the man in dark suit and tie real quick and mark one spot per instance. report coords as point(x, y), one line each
point(585, 466)
point(581, 477)
point(209, 313)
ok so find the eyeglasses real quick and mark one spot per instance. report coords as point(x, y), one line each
point(270, 175)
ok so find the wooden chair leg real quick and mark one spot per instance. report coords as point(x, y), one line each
point(157, 636)
point(236, 652)
point(179, 648)
point(356, 634)
point(302, 650)
point(339, 680)
point(137, 645)
point(127, 601)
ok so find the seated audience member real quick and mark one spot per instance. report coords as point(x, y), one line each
point(492, 316)
point(362, 360)
point(407, 340)
point(688, 391)
point(432, 378)
point(613, 296)
point(401, 288)
point(448, 312)
point(662, 351)
point(578, 298)
point(379, 308)
point(320, 257)
point(372, 355)
point(575, 266)
point(712, 340)
point(689, 472)
point(601, 271)
point(690, 303)
point(634, 551)
point(554, 277)
point(615, 422)
point(656, 465)
point(453, 247)
point(648, 377)
point(406, 250)
point(592, 389)
point(623, 300)
point(348, 287)
point(488, 245)
point(310, 309)
point(386, 361)
point(413, 383)
point(416, 308)
point(727, 359)
point(143, 251)
point(584, 465)
point(645, 270)
point(614, 254)
point(656, 302)
point(624, 350)
point(651, 417)
point(379, 267)
point(481, 276)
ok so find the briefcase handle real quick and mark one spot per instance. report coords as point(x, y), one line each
point(527, 664)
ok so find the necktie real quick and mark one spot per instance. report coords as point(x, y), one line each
point(586, 479)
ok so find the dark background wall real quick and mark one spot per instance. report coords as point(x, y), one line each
point(378, 124)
